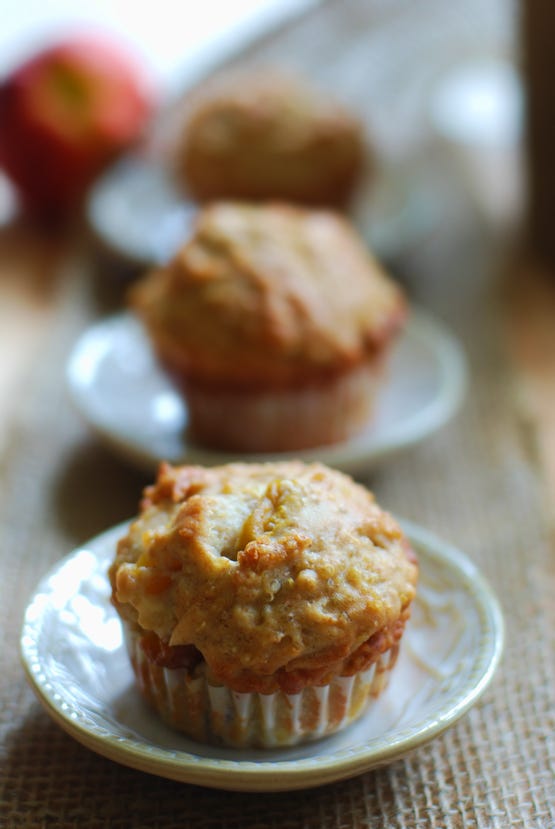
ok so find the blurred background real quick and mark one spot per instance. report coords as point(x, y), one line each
point(427, 80)
point(438, 87)
point(172, 39)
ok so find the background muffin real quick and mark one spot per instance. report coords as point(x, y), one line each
point(275, 320)
point(267, 136)
point(262, 604)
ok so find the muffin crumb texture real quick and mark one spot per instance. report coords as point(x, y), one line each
point(265, 577)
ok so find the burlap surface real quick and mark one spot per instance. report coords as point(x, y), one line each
point(474, 483)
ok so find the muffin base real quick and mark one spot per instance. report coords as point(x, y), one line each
point(208, 713)
point(283, 420)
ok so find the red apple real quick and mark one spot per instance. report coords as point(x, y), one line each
point(64, 115)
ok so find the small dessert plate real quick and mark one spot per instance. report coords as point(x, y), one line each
point(119, 389)
point(73, 652)
point(136, 211)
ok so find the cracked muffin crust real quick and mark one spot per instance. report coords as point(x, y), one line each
point(269, 577)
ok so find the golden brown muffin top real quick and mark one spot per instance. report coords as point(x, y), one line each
point(267, 295)
point(264, 568)
point(269, 135)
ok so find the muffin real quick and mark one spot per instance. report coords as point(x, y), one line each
point(269, 136)
point(262, 604)
point(275, 322)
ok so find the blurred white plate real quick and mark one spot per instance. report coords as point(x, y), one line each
point(75, 659)
point(137, 212)
point(119, 389)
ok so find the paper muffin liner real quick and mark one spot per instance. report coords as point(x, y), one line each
point(215, 714)
point(283, 420)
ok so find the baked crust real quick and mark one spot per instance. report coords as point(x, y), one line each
point(280, 575)
point(269, 296)
point(269, 136)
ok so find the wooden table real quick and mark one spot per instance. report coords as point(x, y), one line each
point(29, 271)
point(529, 314)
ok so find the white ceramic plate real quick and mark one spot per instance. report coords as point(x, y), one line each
point(139, 214)
point(119, 389)
point(75, 659)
